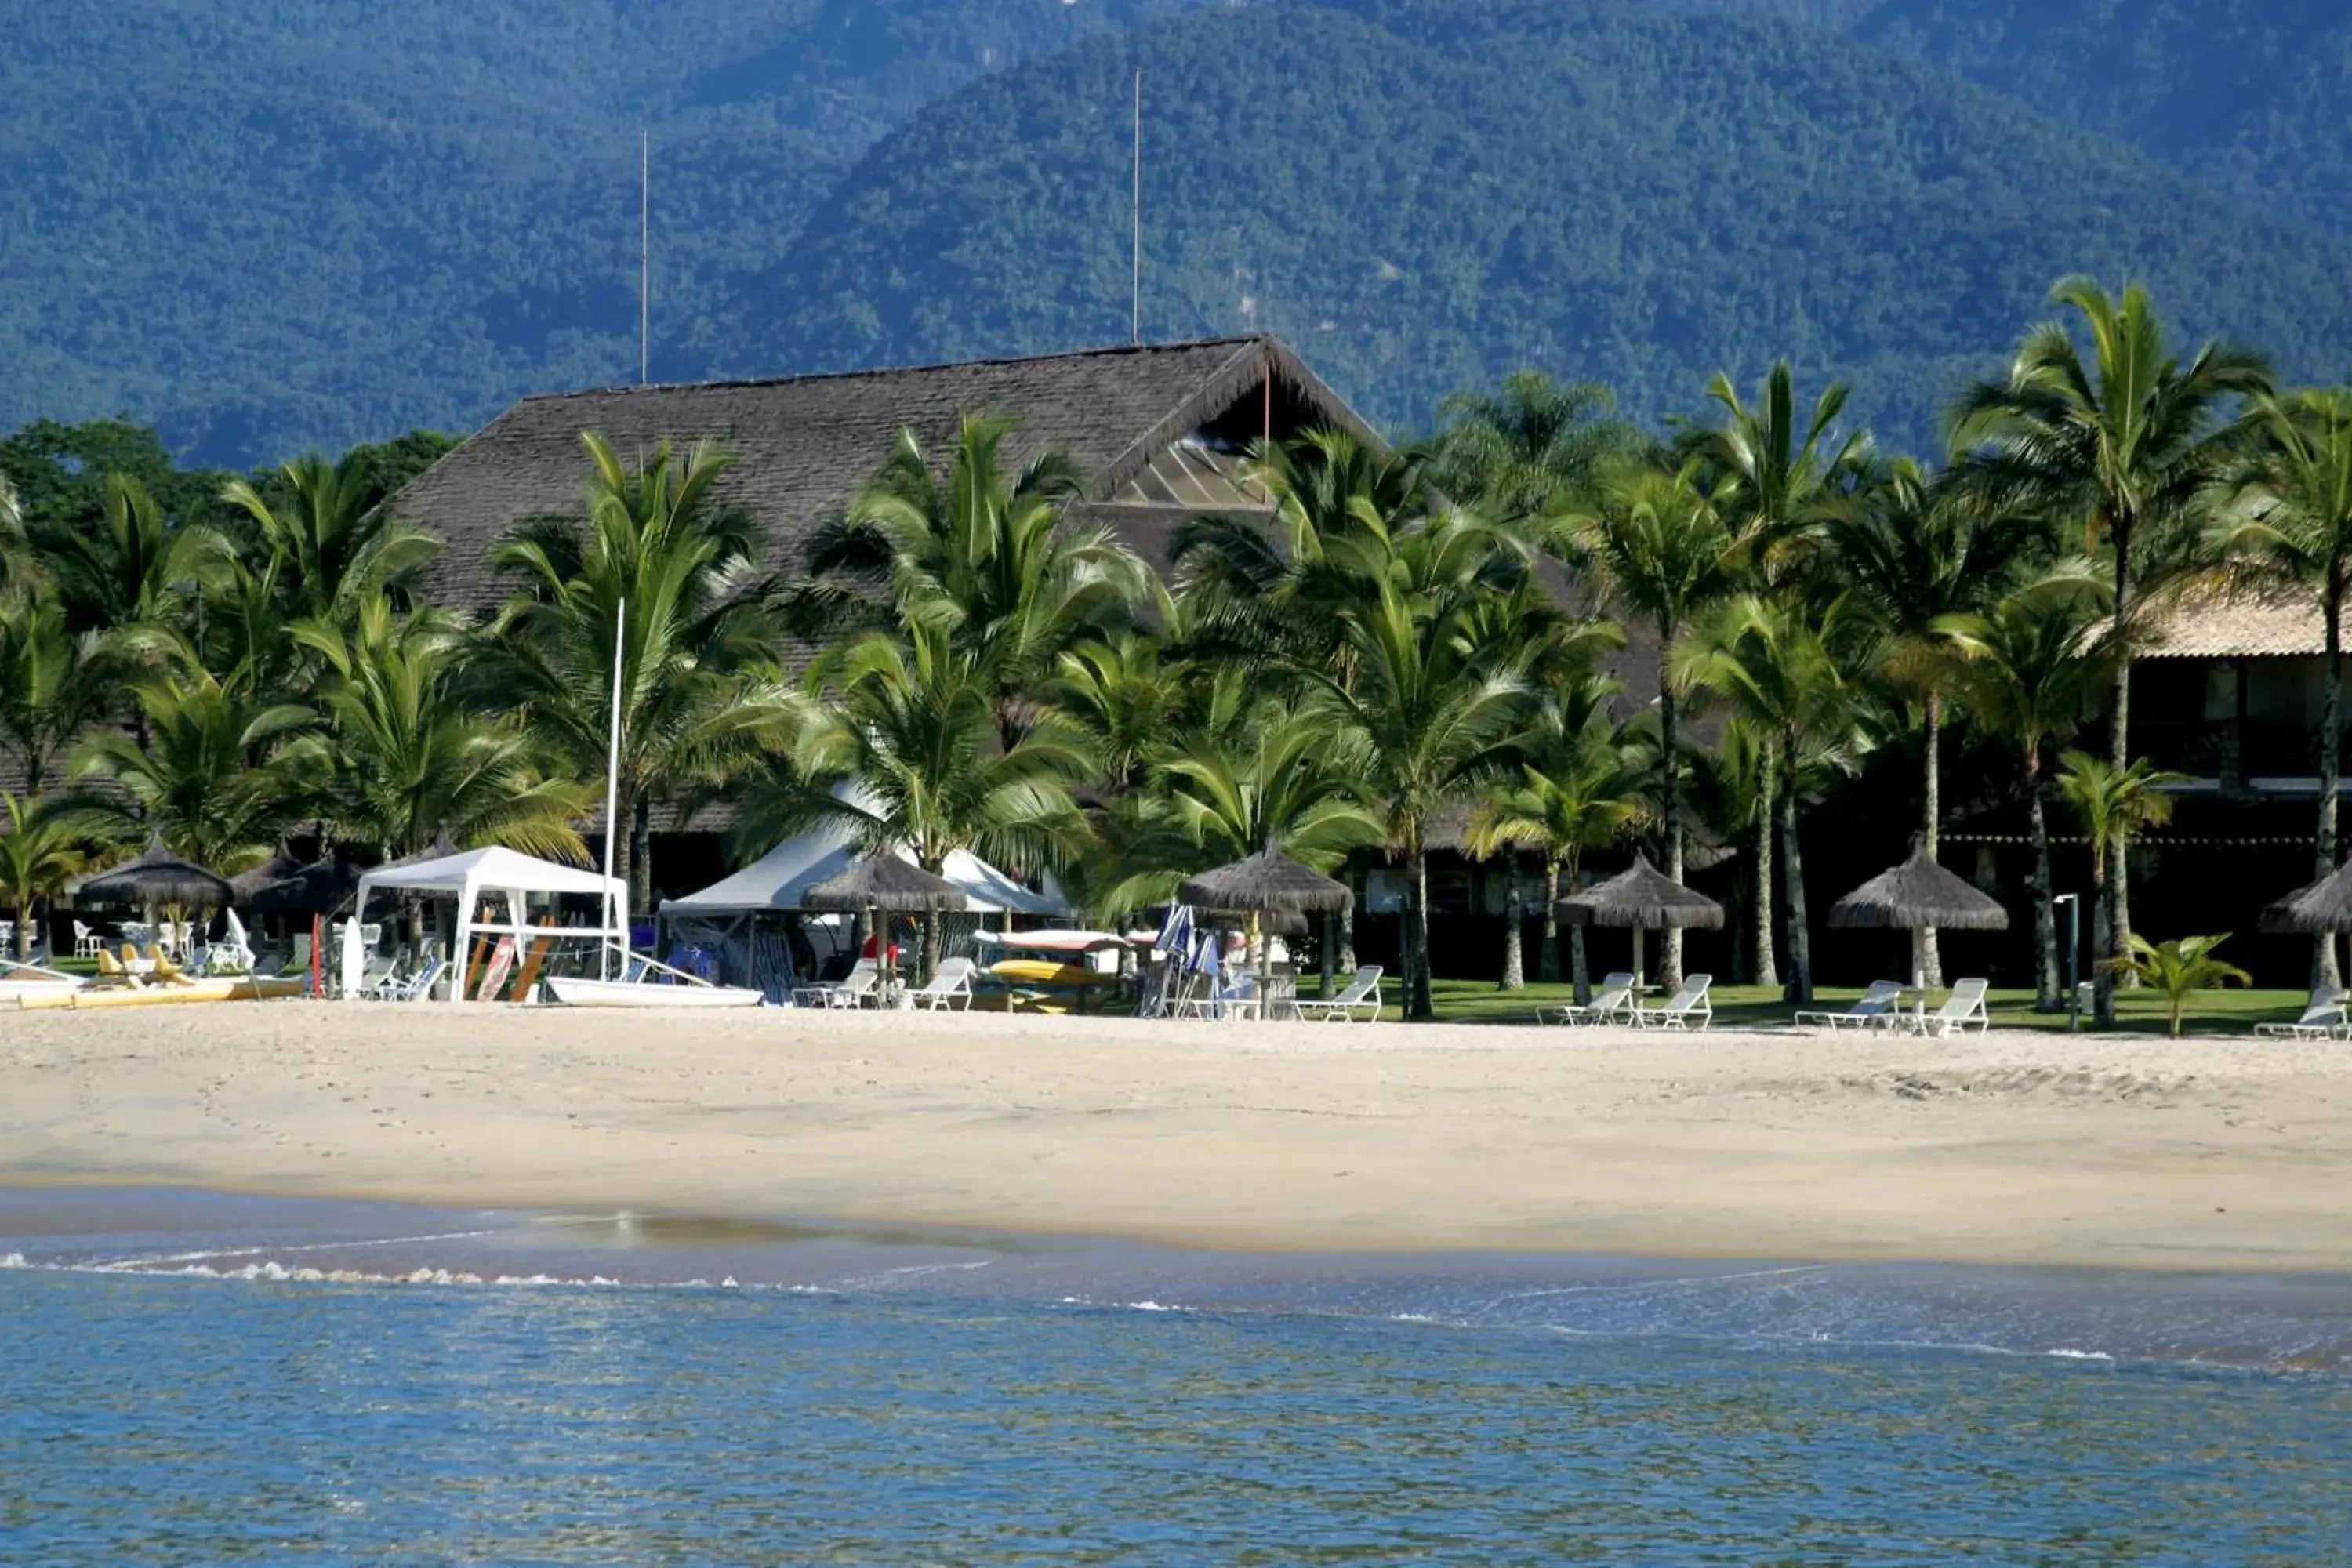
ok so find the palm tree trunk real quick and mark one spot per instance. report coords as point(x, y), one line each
point(1580, 964)
point(1767, 970)
point(1931, 957)
point(1547, 956)
point(641, 856)
point(2045, 908)
point(1417, 1004)
point(2119, 752)
point(1515, 915)
point(2331, 750)
point(1800, 986)
point(1348, 936)
point(2104, 944)
point(1670, 972)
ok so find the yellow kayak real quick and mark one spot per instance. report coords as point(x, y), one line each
point(163, 996)
point(1045, 972)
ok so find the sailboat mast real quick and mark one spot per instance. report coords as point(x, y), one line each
point(612, 797)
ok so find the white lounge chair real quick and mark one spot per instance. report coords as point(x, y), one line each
point(950, 986)
point(1965, 1006)
point(1688, 1008)
point(1613, 1002)
point(1876, 1007)
point(1360, 994)
point(418, 988)
point(2323, 1018)
point(855, 989)
point(88, 943)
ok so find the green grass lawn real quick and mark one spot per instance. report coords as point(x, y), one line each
point(2139, 1012)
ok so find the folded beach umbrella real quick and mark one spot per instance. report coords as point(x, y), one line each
point(1915, 896)
point(156, 876)
point(1643, 898)
point(2324, 906)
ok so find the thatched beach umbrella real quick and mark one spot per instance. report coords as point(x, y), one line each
point(1643, 898)
point(1268, 883)
point(2324, 906)
point(156, 876)
point(1917, 896)
point(885, 884)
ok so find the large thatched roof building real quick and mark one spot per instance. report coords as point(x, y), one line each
point(1156, 431)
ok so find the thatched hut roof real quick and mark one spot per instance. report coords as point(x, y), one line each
point(1640, 896)
point(1268, 882)
point(884, 882)
point(1918, 893)
point(156, 876)
point(2324, 906)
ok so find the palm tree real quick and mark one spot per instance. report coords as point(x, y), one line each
point(54, 683)
point(1531, 450)
point(326, 550)
point(1577, 788)
point(133, 569)
point(1771, 479)
point(1914, 550)
point(213, 777)
point(2124, 444)
point(910, 756)
point(1666, 554)
point(656, 539)
point(2029, 668)
point(1429, 692)
point(41, 849)
point(1776, 666)
point(2112, 805)
point(992, 555)
point(1224, 792)
point(2178, 970)
point(414, 759)
point(2289, 521)
point(1128, 698)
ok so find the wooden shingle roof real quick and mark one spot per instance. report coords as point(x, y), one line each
point(804, 445)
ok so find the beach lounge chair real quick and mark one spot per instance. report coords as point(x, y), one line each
point(1613, 1002)
point(2323, 1018)
point(375, 980)
point(1963, 1007)
point(855, 989)
point(950, 986)
point(1688, 1008)
point(418, 986)
point(1876, 1007)
point(88, 943)
point(1361, 994)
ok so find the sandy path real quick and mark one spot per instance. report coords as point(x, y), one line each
point(2027, 1148)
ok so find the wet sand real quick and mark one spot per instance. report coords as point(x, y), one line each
point(2018, 1148)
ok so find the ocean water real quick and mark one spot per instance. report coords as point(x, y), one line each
point(194, 1380)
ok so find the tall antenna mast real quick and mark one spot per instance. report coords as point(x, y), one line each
point(1135, 236)
point(645, 254)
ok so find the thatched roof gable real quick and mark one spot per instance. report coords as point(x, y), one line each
point(804, 445)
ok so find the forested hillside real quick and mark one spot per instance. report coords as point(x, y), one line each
point(267, 224)
point(1424, 195)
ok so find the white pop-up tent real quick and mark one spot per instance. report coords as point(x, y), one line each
point(780, 879)
point(465, 876)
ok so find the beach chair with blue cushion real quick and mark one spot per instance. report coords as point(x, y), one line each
point(2323, 1018)
point(1612, 1003)
point(1875, 1009)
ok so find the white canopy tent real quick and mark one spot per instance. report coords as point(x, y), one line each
point(465, 876)
point(782, 877)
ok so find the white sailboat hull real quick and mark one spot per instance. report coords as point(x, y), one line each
point(573, 991)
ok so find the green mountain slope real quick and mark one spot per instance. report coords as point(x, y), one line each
point(2249, 97)
point(1423, 197)
point(270, 223)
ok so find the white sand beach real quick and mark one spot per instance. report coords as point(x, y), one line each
point(2027, 1148)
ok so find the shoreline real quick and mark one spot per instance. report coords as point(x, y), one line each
point(2013, 1149)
